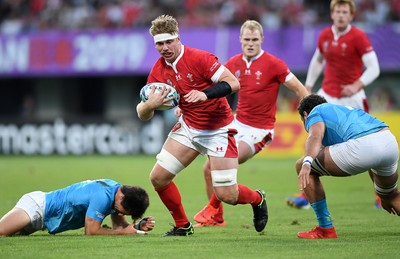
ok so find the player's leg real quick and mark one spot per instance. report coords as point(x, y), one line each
point(224, 179)
point(322, 165)
point(207, 178)
point(26, 217)
point(385, 172)
point(212, 213)
point(386, 188)
point(250, 141)
point(173, 158)
point(14, 222)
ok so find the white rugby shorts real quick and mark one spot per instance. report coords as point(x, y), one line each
point(378, 151)
point(217, 143)
point(256, 138)
point(33, 204)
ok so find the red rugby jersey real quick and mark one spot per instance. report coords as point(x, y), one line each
point(194, 69)
point(343, 58)
point(259, 86)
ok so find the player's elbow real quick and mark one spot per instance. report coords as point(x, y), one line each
point(90, 232)
point(378, 71)
point(235, 86)
point(142, 114)
point(144, 117)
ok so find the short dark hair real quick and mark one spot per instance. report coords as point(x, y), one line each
point(135, 201)
point(309, 102)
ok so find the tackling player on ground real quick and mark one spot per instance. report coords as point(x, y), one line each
point(205, 126)
point(260, 75)
point(83, 204)
point(343, 50)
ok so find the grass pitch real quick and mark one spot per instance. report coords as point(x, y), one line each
point(364, 232)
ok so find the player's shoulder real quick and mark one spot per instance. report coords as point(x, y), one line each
point(102, 183)
point(196, 51)
point(326, 31)
point(270, 56)
point(109, 181)
point(235, 58)
point(272, 61)
point(157, 71)
point(159, 63)
point(357, 33)
point(355, 29)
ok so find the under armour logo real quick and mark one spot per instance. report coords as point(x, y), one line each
point(219, 149)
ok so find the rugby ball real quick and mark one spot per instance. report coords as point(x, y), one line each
point(145, 91)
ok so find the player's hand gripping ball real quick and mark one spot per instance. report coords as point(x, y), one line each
point(145, 91)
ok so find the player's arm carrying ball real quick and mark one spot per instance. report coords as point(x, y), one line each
point(145, 110)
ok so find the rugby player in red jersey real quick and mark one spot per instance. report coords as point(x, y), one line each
point(260, 75)
point(204, 127)
point(343, 51)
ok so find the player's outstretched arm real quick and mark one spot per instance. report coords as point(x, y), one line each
point(312, 148)
point(296, 87)
point(118, 221)
point(93, 227)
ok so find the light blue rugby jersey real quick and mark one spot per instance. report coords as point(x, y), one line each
point(342, 123)
point(66, 208)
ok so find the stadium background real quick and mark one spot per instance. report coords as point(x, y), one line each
point(71, 71)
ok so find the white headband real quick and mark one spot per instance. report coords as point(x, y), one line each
point(164, 36)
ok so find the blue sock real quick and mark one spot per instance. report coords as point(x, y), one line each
point(322, 213)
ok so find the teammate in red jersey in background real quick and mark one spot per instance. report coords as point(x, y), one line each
point(260, 75)
point(344, 50)
point(205, 126)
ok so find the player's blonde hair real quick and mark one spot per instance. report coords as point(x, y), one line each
point(343, 2)
point(164, 24)
point(252, 25)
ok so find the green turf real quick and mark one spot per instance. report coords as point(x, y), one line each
point(364, 232)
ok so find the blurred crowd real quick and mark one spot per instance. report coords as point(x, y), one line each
point(33, 15)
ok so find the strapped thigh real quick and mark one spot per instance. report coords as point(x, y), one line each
point(317, 167)
point(169, 162)
point(224, 177)
point(382, 191)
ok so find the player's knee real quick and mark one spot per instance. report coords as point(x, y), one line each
point(225, 178)
point(157, 180)
point(3, 231)
point(299, 164)
point(242, 159)
point(227, 197)
point(154, 180)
